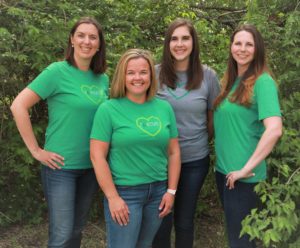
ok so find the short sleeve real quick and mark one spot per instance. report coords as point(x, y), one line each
point(45, 83)
point(214, 88)
point(266, 95)
point(173, 126)
point(102, 126)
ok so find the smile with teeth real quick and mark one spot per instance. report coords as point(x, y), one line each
point(179, 51)
point(138, 84)
point(85, 49)
point(242, 56)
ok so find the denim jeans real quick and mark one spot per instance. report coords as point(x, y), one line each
point(237, 204)
point(69, 194)
point(143, 203)
point(192, 177)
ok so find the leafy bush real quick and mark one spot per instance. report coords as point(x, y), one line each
point(33, 34)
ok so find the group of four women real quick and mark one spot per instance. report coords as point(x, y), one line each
point(148, 146)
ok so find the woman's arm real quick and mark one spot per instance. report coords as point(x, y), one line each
point(118, 208)
point(273, 131)
point(20, 110)
point(174, 166)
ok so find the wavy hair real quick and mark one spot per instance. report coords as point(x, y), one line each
point(243, 93)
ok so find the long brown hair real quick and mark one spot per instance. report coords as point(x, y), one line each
point(167, 74)
point(243, 93)
point(98, 63)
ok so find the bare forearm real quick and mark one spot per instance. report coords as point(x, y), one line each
point(104, 178)
point(22, 119)
point(263, 149)
point(174, 171)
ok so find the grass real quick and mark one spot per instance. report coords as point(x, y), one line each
point(209, 232)
point(209, 227)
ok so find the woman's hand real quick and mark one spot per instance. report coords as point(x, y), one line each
point(166, 204)
point(273, 131)
point(236, 175)
point(119, 210)
point(51, 159)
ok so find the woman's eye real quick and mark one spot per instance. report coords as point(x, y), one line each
point(93, 38)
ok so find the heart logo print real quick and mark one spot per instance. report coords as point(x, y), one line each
point(94, 93)
point(177, 97)
point(151, 125)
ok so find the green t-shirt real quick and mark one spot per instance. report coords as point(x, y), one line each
point(73, 97)
point(139, 135)
point(238, 129)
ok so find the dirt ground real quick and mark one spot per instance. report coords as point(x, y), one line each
point(209, 233)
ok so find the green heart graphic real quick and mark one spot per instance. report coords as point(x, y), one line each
point(175, 96)
point(151, 125)
point(94, 93)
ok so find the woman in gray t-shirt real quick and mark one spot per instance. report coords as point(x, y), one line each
point(191, 89)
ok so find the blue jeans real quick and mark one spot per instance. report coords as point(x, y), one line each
point(143, 203)
point(69, 194)
point(237, 204)
point(192, 177)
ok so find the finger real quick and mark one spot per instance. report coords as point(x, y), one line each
point(161, 205)
point(227, 182)
point(113, 216)
point(251, 174)
point(127, 209)
point(119, 220)
point(53, 164)
point(232, 181)
point(164, 212)
point(58, 161)
point(49, 165)
point(125, 216)
point(57, 158)
point(124, 219)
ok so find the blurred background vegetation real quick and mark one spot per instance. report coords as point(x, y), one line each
point(34, 33)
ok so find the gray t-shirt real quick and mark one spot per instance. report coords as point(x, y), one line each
point(190, 109)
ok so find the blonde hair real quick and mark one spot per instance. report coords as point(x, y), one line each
point(118, 86)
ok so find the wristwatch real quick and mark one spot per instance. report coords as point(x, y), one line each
point(171, 191)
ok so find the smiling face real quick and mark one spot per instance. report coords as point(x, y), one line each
point(242, 50)
point(137, 79)
point(85, 42)
point(181, 46)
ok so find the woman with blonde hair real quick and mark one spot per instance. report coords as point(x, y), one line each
point(135, 153)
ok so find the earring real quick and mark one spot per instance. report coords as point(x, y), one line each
point(72, 45)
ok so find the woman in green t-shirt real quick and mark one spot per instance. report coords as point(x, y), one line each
point(135, 153)
point(247, 124)
point(73, 89)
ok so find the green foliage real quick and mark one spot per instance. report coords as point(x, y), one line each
point(277, 224)
point(34, 33)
